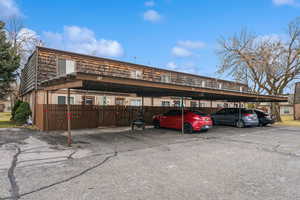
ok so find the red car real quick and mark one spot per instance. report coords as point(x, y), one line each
point(193, 120)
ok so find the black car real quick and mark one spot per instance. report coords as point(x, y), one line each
point(264, 118)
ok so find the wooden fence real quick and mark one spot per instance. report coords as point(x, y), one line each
point(54, 117)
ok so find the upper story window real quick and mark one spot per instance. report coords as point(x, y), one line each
point(136, 74)
point(165, 78)
point(220, 85)
point(65, 66)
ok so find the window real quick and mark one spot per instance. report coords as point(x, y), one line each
point(65, 66)
point(203, 83)
point(104, 101)
point(194, 104)
point(63, 100)
point(241, 88)
point(219, 105)
point(236, 105)
point(165, 103)
point(135, 102)
point(220, 86)
point(136, 74)
point(89, 100)
point(165, 78)
point(202, 105)
point(176, 103)
point(286, 110)
point(226, 105)
point(120, 101)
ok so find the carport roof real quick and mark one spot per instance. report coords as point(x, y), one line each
point(88, 81)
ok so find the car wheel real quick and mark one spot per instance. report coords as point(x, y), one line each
point(240, 124)
point(156, 124)
point(188, 128)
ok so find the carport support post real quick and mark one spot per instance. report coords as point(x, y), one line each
point(240, 112)
point(69, 119)
point(47, 109)
point(182, 116)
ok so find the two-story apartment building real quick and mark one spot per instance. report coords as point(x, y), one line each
point(45, 64)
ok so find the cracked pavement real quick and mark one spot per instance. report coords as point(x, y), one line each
point(114, 163)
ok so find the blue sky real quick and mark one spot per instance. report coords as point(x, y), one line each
point(174, 34)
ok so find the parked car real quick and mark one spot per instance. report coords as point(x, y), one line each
point(193, 120)
point(239, 117)
point(264, 118)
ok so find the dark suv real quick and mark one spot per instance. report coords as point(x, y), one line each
point(239, 117)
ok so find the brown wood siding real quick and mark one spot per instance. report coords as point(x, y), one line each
point(28, 76)
point(90, 116)
point(47, 69)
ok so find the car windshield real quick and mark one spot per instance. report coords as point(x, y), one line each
point(248, 111)
point(200, 113)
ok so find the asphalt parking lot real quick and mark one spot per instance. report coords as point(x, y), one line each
point(223, 163)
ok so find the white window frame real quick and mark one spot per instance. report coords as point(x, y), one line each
point(66, 99)
point(70, 66)
point(163, 103)
point(136, 102)
point(165, 78)
point(136, 74)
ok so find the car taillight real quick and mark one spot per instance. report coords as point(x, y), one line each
point(247, 115)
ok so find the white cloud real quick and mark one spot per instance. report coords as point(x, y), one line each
point(83, 40)
point(191, 44)
point(150, 3)
point(9, 8)
point(284, 2)
point(152, 16)
point(181, 52)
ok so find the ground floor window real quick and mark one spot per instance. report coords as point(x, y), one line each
point(120, 101)
point(194, 104)
point(286, 110)
point(176, 103)
point(165, 103)
point(63, 100)
point(202, 105)
point(135, 102)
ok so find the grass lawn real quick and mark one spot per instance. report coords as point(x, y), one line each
point(5, 120)
point(289, 121)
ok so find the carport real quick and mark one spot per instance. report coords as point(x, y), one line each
point(145, 88)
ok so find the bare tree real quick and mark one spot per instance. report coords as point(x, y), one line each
point(268, 64)
point(23, 42)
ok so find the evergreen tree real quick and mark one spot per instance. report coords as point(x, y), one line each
point(9, 63)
